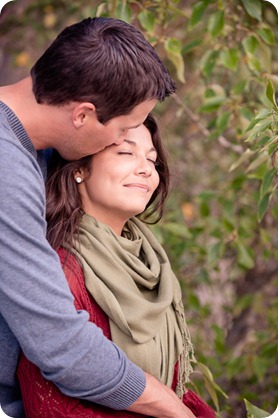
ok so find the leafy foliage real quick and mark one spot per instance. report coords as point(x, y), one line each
point(220, 226)
point(254, 412)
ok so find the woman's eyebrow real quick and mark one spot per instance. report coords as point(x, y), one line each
point(133, 143)
point(130, 142)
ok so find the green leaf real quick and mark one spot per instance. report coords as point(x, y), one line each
point(216, 23)
point(267, 181)
point(246, 113)
point(253, 8)
point(208, 62)
point(259, 366)
point(238, 182)
point(157, 231)
point(254, 63)
point(250, 44)
point(205, 371)
point(212, 103)
point(210, 384)
point(253, 123)
point(245, 156)
point(197, 12)
point(257, 162)
point(209, 92)
point(273, 147)
point(124, 12)
point(176, 11)
point(270, 350)
point(219, 340)
point(230, 58)
point(264, 113)
point(266, 142)
point(191, 45)
point(176, 229)
point(239, 87)
point(193, 301)
point(207, 194)
point(147, 20)
point(270, 93)
point(223, 120)
point(100, 9)
point(203, 276)
point(255, 412)
point(259, 128)
point(173, 51)
point(214, 252)
point(264, 54)
point(263, 205)
point(245, 258)
point(204, 209)
point(173, 45)
point(267, 35)
point(242, 303)
point(234, 367)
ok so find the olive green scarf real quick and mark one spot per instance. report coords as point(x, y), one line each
point(131, 279)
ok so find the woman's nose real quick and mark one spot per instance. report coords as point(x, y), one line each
point(143, 168)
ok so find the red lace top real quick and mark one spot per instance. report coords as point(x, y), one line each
point(41, 398)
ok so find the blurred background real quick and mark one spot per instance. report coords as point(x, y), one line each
point(220, 224)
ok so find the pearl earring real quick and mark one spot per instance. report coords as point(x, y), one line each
point(78, 180)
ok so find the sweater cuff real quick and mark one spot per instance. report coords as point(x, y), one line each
point(132, 388)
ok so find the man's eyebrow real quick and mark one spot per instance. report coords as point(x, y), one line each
point(134, 144)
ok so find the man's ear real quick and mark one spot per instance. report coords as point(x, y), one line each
point(82, 112)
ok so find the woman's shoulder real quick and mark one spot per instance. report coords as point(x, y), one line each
point(71, 266)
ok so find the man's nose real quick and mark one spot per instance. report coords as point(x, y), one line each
point(121, 138)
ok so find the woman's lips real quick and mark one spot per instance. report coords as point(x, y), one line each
point(138, 186)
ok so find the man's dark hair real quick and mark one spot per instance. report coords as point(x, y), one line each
point(104, 61)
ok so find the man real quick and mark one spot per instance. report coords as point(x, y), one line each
point(98, 79)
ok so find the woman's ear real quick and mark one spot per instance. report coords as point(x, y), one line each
point(79, 175)
point(82, 113)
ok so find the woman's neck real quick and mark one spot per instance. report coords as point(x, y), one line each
point(115, 223)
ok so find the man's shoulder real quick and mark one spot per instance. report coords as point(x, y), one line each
point(13, 154)
point(9, 141)
point(17, 148)
point(6, 132)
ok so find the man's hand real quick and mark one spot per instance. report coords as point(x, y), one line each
point(160, 401)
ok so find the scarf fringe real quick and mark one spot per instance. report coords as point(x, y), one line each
point(187, 356)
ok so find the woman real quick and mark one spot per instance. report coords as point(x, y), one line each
point(116, 269)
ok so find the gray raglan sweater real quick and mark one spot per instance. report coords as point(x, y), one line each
point(36, 306)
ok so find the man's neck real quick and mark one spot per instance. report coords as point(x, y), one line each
point(35, 118)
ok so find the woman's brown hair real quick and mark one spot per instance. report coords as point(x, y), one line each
point(63, 201)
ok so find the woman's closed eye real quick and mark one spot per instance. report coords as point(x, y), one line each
point(125, 153)
point(154, 162)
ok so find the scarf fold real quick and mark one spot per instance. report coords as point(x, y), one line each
point(131, 279)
